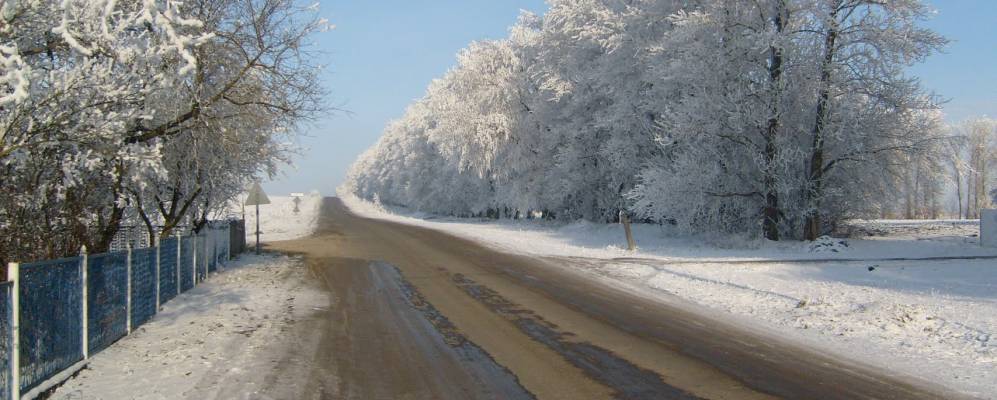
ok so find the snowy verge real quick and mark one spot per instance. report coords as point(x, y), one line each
point(587, 239)
point(222, 335)
point(279, 221)
point(932, 319)
point(936, 320)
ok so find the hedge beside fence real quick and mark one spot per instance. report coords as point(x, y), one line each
point(55, 314)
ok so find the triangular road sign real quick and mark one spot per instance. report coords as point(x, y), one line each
point(256, 196)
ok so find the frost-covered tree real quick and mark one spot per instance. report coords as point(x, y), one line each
point(78, 76)
point(863, 48)
point(980, 157)
point(95, 95)
point(769, 117)
point(252, 85)
point(728, 131)
point(758, 85)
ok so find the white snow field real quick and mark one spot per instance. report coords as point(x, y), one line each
point(214, 341)
point(932, 319)
point(278, 221)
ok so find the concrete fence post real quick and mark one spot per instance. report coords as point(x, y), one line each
point(209, 239)
point(179, 261)
point(158, 250)
point(128, 290)
point(14, 277)
point(193, 263)
point(202, 254)
point(86, 318)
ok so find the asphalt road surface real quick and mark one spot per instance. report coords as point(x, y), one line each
point(419, 314)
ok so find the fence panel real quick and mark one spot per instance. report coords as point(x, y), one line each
point(226, 243)
point(107, 297)
point(211, 249)
point(237, 236)
point(168, 269)
point(217, 238)
point(186, 263)
point(201, 241)
point(51, 319)
point(221, 246)
point(6, 335)
point(143, 285)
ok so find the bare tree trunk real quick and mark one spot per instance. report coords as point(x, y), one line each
point(812, 224)
point(918, 207)
point(771, 213)
point(983, 198)
point(110, 229)
point(958, 189)
point(970, 189)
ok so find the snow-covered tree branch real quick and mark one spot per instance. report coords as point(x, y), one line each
point(773, 118)
point(107, 105)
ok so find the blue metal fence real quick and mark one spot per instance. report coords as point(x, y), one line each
point(168, 269)
point(107, 298)
point(52, 327)
point(201, 241)
point(51, 319)
point(6, 334)
point(217, 254)
point(143, 285)
point(224, 236)
point(186, 263)
point(211, 250)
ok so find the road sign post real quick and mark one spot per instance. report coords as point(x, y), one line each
point(256, 197)
point(297, 201)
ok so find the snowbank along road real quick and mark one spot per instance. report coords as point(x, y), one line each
point(418, 314)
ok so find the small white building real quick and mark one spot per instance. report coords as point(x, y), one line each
point(988, 228)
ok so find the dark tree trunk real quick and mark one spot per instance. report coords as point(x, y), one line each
point(812, 225)
point(771, 213)
point(110, 229)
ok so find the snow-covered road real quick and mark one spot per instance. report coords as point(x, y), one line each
point(934, 319)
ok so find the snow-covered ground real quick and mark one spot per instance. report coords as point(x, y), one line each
point(226, 330)
point(934, 319)
point(279, 221)
point(586, 239)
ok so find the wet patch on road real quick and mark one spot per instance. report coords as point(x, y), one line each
point(626, 379)
point(501, 382)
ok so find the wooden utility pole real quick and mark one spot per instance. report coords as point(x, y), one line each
point(625, 220)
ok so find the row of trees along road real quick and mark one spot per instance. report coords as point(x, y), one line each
point(775, 118)
point(156, 112)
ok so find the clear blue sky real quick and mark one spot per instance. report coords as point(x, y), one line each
point(383, 54)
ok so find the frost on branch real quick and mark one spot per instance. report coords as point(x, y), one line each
point(146, 111)
point(775, 118)
point(13, 76)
